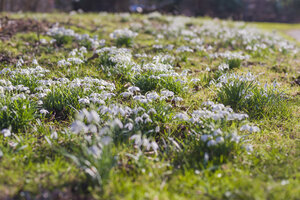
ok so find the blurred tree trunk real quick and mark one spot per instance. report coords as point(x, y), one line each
point(122, 6)
point(2, 3)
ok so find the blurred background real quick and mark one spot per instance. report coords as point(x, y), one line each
point(248, 10)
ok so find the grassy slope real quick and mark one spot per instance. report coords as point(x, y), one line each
point(262, 175)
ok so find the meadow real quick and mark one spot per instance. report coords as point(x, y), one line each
point(120, 106)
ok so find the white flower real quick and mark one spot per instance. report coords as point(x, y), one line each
point(92, 128)
point(151, 110)
point(148, 120)
point(129, 126)
point(123, 33)
point(181, 116)
point(95, 151)
point(4, 108)
point(44, 112)
point(219, 139)
point(211, 143)
point(126, 94)
point(78, 127)
point(133, 89)
point(217, 132)
point(251, 129)
point(118, 123)
point(6, 132)
point(152, 96)
point(167, 93)
point(84, 101)
point(206, 156)
point(177, 99)
point(235, 138)
point(63, 63)
point(35, 62)
point(249, 148)
point(106, 140)
point(157, 129)
point(204, 138)
point(223, 66)
point(138, 120)
point(154, 146)
point(54, 135)
point(137, 139)
point(195, 80)
point(93, 116)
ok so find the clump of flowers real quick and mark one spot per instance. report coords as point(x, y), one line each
point(96, 155)
point(123, 37)
point(244, 93)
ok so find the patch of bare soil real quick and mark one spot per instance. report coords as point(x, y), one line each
point(9, 27)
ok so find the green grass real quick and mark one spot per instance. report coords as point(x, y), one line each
point(43, 157)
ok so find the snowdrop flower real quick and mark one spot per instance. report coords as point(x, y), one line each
point(184, 49)
point(129, 126)
point(54, 135)
point(6, 132)
point(211, 143)
point(195, 80)
point(152, 96)
point(167, 93)
point(75, 60)
point(157, 129)
point(249, 148)
point(126, 94)
point(123, 33)
point(118, 123)
point(63, 62)
point(95, 150)
point(139, 97)
point(177, 99)
point(93, 116)
point(44, 112)
point(181, 116)
point(219, 139)
point(235, 138)
point(96, 100)
point(205, 138)
point(137, 139)
point(154, 146)
point(35, 62)
point(251, 129)
point(133, 89)
point(217, 132)
point(223, 66)
point(138, 120)
point(41, 95)
point(145, 116)
point(43, 41)
point(78, 127)
point(4, 108)
point(106, 140)
point(20, 62)
point(206, 156)
point(151, 110)
point(92, 128)
point(148, 120)
point(84, 101)
point(39, 88)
